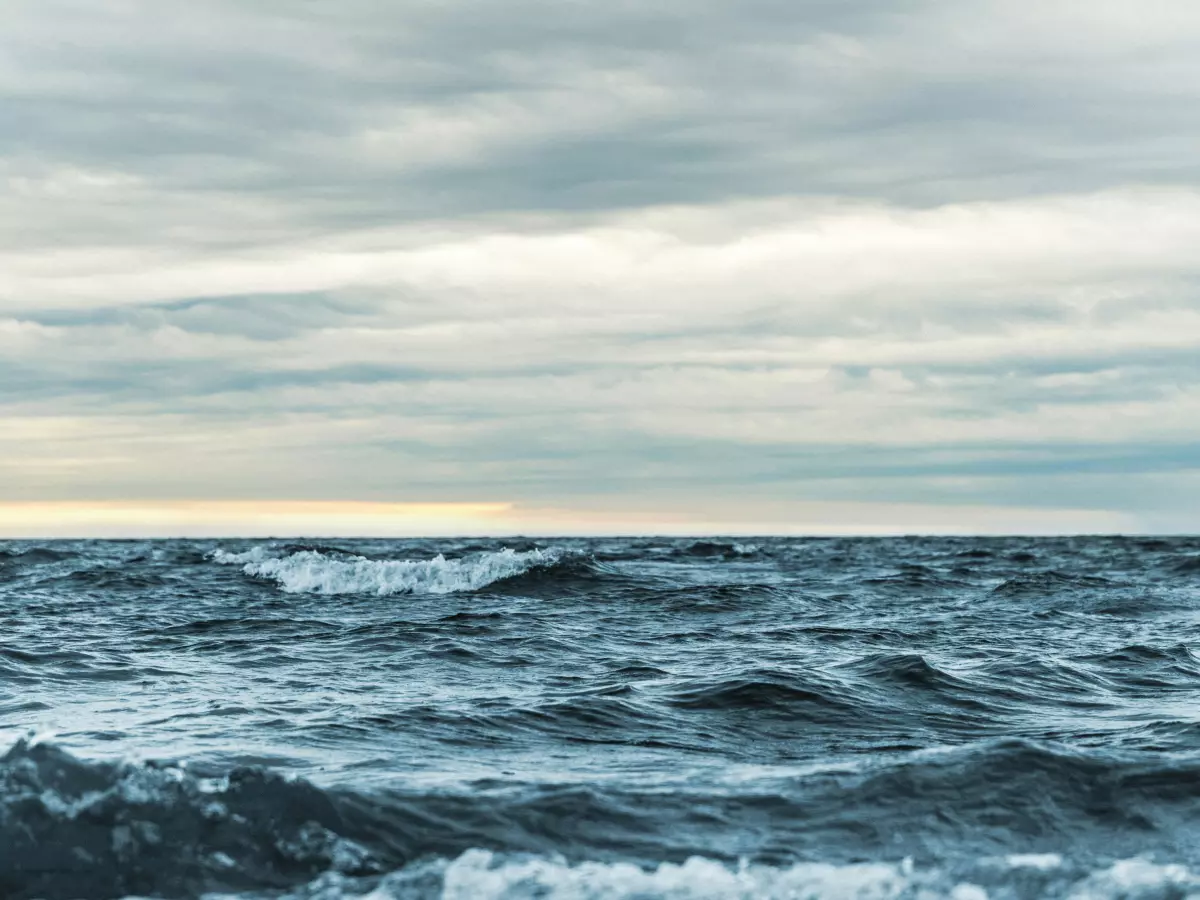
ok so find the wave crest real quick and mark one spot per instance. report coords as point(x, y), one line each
point(317, 572)
point(481, 874)
point(70, 828)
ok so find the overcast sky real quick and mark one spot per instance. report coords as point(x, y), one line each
point(776, 265)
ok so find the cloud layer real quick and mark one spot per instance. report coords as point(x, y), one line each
point(773, 264)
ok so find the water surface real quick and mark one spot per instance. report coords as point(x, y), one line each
point(601, 718)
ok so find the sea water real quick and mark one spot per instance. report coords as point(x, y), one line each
point(751, 718)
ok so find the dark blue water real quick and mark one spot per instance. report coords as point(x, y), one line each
point(916, 717)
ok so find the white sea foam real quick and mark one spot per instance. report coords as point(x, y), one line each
point(1138, 879)
point(482, 875)
point(475, 875)
point(313, 572)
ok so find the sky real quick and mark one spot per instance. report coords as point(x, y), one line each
point(765, 266)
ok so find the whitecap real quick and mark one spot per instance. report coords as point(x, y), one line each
point(477, 875)
point(313, 572)
point(484, 875)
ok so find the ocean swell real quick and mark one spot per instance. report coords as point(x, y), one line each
point(71, 828)
point(316, 572)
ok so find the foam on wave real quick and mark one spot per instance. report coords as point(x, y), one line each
point(479, 874)
point(71, 828)
point(483, 875)
point(314, 572)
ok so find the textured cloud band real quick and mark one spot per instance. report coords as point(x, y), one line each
point(695, 262)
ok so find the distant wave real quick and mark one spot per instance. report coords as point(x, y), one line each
point(33, 556)
point(718, 549)
point(1188, 566)
point(1048, 583)
point(318, 572)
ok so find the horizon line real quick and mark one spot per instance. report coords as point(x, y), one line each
point(273, 519)
point(605, 535)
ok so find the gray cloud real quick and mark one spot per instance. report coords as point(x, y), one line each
point(368, 113)
point(759, 251)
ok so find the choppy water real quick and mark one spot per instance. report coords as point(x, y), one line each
point(609, 718)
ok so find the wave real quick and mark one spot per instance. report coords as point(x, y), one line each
point(906, 669)
point(33, 556)
point(718, 549)
point(109, 579)
point(766, 690)
point(1134, 656)
point(320, 572)
point(72, 828)
point(483, 875)
point(910, 576)
point(1048, 583)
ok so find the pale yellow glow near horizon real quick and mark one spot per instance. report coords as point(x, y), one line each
point(249, 518)
point(338, 518)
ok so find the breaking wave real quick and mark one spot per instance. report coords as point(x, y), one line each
point(317, 572)
point(482, 875)
point(72, 828)
point(601, 718)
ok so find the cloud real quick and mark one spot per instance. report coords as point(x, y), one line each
point(700, 259)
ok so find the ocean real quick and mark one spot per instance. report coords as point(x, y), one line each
point(605, 718)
